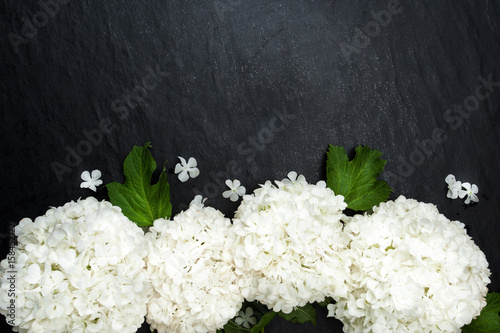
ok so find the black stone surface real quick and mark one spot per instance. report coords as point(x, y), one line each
point(251, 89)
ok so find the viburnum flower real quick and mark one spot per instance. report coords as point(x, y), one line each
point(198, 201)
point(288, 241)
point(235, 190)
point(293, 178)
point(186, 169)
point(91, 182)
point(412, 270)
point(470, 191)
point(192, 272)
point(454, 186)
point(246, 319)
point(79, 268)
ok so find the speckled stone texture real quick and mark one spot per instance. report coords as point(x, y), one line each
point(251, 89)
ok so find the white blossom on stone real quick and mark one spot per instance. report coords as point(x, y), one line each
point(454, 186)
point(188, 169)
point(469, 193)
point(235, 190)
point(91, 181)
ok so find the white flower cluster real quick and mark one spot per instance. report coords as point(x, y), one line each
point(412, 270)
point(84, 267)
point(189, 262)
point(79, 268)
point(287, 244)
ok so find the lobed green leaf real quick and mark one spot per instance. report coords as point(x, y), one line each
point(357, 180)
point(301, 315)
point(140, 201)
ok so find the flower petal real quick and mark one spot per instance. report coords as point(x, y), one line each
point(234, 196)
point(474, 188)
point(194, 172)
point(192, 163)
point(33, 274)
point(229, 184)
point(452, 194)
point(178, 168)
point(183, 161)
point(301, 179)
point(292, 175)
point(455, 186)
point(241, 191)
point(96, 174)
point(450, 179)
point(183, 176)
point(248, 312)
point(86, 176)
point(236, 183)
point(227, 194)
point(198, 200)
point(466, 186)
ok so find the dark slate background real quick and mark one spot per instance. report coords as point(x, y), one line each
point(251, 89)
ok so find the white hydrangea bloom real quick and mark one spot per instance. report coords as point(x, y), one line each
point(413, 270)
point(79, 268)
point(288, 243)
point(192, 271)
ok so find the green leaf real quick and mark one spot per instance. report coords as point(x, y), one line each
point(357, 180)
point(489, 319)
point(326, 302)
point(301, 315)
point(266, 319)
point(140, 201)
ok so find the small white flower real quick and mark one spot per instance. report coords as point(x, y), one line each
point(91, 182)
point(246, 318)
point(235, 190)
point(470, 192)
point(453, 186)
point(186, 170)
point(198, 201)
point(293, 179)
